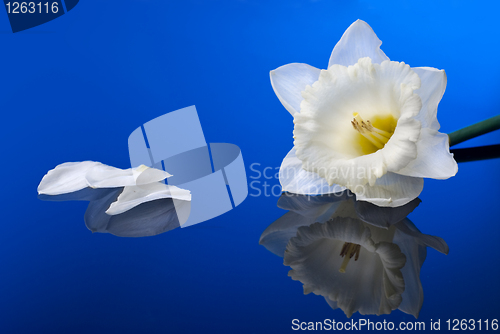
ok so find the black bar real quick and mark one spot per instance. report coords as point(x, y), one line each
point(476, 153)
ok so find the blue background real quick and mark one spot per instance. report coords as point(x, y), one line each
point(75, 88)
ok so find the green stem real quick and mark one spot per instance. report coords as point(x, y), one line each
point(475, 130)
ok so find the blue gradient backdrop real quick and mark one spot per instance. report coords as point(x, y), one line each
point(75, 88)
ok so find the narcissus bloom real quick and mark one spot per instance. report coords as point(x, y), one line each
point(366, 123)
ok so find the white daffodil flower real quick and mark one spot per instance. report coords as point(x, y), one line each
point(132, 202)
point(365, 123)
point(339, 250)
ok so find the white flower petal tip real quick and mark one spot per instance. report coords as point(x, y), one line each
point(66, 178)
point(289, 81)
point(358, 41)
point(104, 176)
point(71, 177)
point(363, 121)
point(133, 196)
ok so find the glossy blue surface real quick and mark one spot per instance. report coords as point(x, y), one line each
point(75, 88)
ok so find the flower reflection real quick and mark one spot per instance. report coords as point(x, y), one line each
point(361, 259)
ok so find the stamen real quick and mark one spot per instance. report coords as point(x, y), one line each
point(376, 136)
point(382, 132)
point(348, 251)
point(344, 248)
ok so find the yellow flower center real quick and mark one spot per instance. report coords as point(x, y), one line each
point(347, 252)
point(373, 134)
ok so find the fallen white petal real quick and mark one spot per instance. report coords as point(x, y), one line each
point(133, 196)
point(103, 176)
point(66, 178)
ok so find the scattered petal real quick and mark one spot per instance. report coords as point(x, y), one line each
point(66, 178)
point(132, 196)
point(103, 176)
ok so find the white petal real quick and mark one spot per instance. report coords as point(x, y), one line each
point(290, 80)
point(433, 85)
point(294, 179)
point(133, 196)
point(371, 285)
point(358, 41)
point(434, 159)
point(103, 176)
point(66, 178)
point(391, 190)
